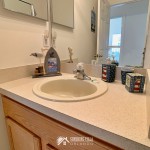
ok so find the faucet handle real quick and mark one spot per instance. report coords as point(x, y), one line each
point(38, 55)
point(80, 66)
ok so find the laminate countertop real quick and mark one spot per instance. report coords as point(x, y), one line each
point(118, 117)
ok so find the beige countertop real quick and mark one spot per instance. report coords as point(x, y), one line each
point(118, 116)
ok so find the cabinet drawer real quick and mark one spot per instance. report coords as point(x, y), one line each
point(49, 129)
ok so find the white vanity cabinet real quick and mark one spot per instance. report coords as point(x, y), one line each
point(31, 130)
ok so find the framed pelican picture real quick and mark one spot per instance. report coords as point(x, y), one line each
point(93, 20)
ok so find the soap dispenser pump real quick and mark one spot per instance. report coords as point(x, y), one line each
point(52, 63)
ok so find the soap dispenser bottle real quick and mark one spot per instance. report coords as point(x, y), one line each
point(52, 63)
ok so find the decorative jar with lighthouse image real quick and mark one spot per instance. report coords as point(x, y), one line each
point(135, 82)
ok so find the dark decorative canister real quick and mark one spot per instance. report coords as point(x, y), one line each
point(124, 71)
point(108, 72)
point(135, 82)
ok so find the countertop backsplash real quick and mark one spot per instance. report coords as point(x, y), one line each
point(96, 70)
point(10, 74)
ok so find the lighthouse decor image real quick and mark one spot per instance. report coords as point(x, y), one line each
point(135, 82)
point(108, 72)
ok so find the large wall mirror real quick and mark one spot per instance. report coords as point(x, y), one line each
point(63, 12)
point(35, 8)
point(121, 31)
point(127, 32)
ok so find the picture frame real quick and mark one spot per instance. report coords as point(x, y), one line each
point(93, 21)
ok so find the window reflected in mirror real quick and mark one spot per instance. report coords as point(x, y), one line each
point(115, 33)
point(127, 32)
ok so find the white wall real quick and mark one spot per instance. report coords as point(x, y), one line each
point(134, 40)
point(81, 39)
point(147, 54)
point(130, 9)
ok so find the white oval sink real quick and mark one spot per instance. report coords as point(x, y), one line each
point(69, 89)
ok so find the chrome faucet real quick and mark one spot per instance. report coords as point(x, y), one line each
point(79, 72)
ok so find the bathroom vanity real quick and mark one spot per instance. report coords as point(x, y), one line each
point(116, 120)
point(31, 130)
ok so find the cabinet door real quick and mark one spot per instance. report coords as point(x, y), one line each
point(20, 138)
point(46, 128)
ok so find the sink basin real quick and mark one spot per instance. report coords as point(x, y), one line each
point(69, 89)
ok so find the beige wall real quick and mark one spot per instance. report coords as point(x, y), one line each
point(81, 39)
point(20, 36)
